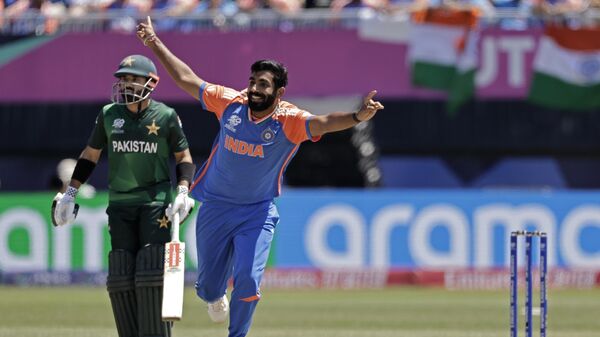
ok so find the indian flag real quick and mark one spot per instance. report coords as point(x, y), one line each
point(436, 43)
point(462, 86)
point(567, 69)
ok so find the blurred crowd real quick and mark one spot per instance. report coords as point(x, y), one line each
point(172, 14)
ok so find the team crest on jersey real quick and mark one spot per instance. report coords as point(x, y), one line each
point(267, 135)
point(118, 125)
point(232, 122)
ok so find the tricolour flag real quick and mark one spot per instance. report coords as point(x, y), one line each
point(436, 42)
point(567, 69)
point(462, 86)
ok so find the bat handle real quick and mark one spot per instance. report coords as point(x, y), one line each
point(175, 224)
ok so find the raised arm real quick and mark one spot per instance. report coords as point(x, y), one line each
point(180, 72)
point(337, 121)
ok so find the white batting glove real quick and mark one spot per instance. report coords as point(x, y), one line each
point(182, 204)
point(64, 208)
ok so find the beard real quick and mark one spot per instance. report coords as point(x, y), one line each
point(131, 95)
point(266, 103)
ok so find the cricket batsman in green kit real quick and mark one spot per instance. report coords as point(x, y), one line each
point(139, 135)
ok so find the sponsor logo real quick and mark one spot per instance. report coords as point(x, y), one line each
point(118, 125)
point(232, 122)
point(174, 252)
point(243, 148)
point(134, 146)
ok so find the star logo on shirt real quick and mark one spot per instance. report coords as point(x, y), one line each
point(163, 222)
point(128, 62)
point(152, 128)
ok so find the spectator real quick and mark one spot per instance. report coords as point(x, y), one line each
point(338, 5)
point(172, 10)
point(15, 8)
point(592, 13)
point(485, 7)
point(558, 7)
point(317, 4)
point(287, 7)
point(249, 5)
point(1, 15)
point(53, 12)
point(397, 6)
point(129, 10)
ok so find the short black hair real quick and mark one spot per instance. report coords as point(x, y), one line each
point(278, 70)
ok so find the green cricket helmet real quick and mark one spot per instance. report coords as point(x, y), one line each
point(124, 92)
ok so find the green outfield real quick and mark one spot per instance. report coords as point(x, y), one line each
point(411, 312)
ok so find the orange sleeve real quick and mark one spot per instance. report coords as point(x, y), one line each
point(216, 98)
point(295, 124)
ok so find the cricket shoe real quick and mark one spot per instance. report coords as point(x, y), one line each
point(218, 310)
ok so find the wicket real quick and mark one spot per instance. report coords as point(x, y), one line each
point(543, 268)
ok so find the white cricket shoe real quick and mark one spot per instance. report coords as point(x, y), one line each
point(218, 310)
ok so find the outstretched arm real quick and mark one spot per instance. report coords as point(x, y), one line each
point(181, 73)
point(337, 121)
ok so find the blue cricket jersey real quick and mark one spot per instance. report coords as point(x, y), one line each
point(248, 157)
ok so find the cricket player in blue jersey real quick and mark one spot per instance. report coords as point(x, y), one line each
point(259, 135)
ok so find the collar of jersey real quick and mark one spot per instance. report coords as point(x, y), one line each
point(258, 121)
point(139, 115)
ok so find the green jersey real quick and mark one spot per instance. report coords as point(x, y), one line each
point(139, 146)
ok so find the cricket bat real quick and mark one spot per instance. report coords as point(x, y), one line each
point(172, 304)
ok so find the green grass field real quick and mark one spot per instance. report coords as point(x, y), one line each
point(411, 312)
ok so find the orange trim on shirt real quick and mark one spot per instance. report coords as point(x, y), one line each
point(251, 298)
point(217, 98)
point(205, 166)
point(257, 121)
point(285, 163)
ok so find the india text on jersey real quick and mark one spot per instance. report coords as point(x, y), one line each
point(241, 147)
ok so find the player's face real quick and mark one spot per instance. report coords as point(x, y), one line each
point(261, 91)
point(130, 89)
point(132, 84)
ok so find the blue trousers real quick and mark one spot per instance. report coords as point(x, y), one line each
point(234, 240)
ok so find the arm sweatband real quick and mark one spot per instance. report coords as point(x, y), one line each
point(83, 170)
point(185, 171)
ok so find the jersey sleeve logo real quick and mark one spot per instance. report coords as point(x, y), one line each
point(118, 125)
point(232, 122)
point(153, 128)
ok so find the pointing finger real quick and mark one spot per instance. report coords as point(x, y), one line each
point(370, 95)
point(149, 21)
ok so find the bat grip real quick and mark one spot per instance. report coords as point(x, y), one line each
point(175, 224)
